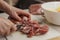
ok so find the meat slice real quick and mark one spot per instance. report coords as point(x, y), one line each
point(26, 29)
point(35, 9)
point(44, 29)
point(31, 33)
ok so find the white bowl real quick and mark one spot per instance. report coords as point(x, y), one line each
point(51, 14)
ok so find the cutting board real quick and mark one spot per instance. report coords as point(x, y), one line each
point(50, 34)
point(19, 36)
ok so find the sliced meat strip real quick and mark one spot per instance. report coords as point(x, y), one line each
point(33, 28)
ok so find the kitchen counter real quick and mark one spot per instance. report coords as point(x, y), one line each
point(57, 28)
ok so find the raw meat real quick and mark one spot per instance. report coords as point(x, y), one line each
point(32, 28)
point(35, 9)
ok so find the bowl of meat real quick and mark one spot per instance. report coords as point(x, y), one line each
point(52, 12)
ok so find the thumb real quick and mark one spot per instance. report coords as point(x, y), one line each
point(15, 16)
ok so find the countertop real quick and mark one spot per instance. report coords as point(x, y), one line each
point(55, 27)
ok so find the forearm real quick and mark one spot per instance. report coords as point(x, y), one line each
point(5, 6)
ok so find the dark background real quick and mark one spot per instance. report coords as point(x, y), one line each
point(24, 4)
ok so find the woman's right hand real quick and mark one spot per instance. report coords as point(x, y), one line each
point(6, 27)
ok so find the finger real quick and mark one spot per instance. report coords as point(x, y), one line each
point(1, 31)
point(27, 14)
point(22, 12)
point(15, 16)
point(13, 20)
point(34, 13)
point(9, 24)
point(13, 27)
point(7, 30)
point(2, 27)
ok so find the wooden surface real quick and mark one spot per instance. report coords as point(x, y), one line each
point(56, 38)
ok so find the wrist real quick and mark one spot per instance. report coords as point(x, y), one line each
point(4, 6)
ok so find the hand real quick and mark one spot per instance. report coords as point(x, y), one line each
point(6, 27)
point(15, 13)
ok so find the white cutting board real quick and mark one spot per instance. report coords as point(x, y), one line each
point(50, 34)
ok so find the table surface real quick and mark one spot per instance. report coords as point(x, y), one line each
point(57, 28)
